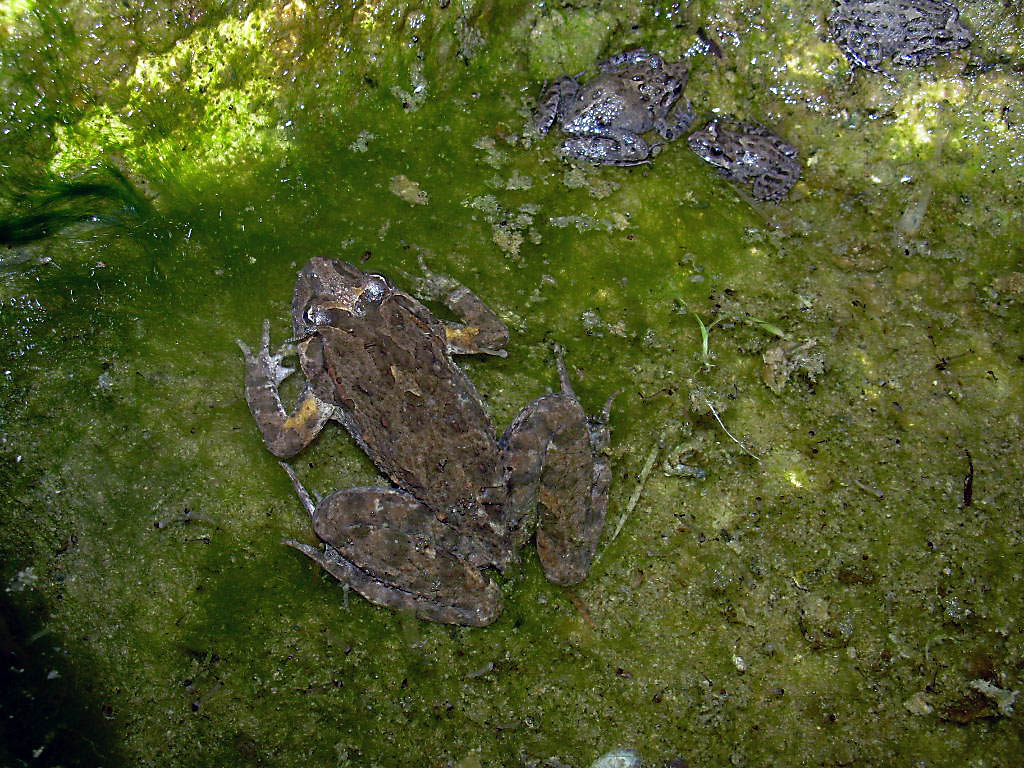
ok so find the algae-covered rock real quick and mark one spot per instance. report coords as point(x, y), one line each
point(568, 41)
point(812, 550)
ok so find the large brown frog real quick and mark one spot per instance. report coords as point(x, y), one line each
point(376, 360)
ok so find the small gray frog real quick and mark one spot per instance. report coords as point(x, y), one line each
point(604, 117)
point(909, 32)
point(749, 152)
point(378, 361)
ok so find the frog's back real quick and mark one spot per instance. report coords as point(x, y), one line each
point(414, 412)
point(609, 100)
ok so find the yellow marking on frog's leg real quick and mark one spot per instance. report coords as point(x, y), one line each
point(308, 410)
point(462, 337)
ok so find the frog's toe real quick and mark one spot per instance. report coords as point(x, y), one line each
point(265, 336)
point(313, 553)
point(278, 371)
point(246, 349)
point(563, 371)
point(606, 411)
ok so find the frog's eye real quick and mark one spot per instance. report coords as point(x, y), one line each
point(374, 287)
point(314, 315)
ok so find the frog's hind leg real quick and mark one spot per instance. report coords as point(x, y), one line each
point(555, 459)
point(552, 103)
point(629, 58)
point(392, 550)
point(613, 147)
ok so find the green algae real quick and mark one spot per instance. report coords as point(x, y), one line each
point(828, 593)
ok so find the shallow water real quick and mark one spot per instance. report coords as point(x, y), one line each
point(826, 588)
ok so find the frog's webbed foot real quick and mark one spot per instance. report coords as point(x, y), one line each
point(284, 434)
point(268, 364)
point(393, 551)
point(434, 285)
point(481, 330)
point(599, 433)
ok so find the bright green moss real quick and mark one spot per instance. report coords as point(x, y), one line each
point(202, 109)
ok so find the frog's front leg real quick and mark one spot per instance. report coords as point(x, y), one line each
point(676, 124)
point(555, 458)
point(393, 551)
point(481, 330)
point(284, 434)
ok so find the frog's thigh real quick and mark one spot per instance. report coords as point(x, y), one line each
point(770, 188)
point(614, 147)
point(384, 544)
point(549, 460)
point(551, 105)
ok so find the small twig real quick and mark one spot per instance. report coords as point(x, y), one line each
point(867, 488)
point(726, 429)
point(645, 472)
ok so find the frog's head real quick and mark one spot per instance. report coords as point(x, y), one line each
point(334, 293)
point(709, 146)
